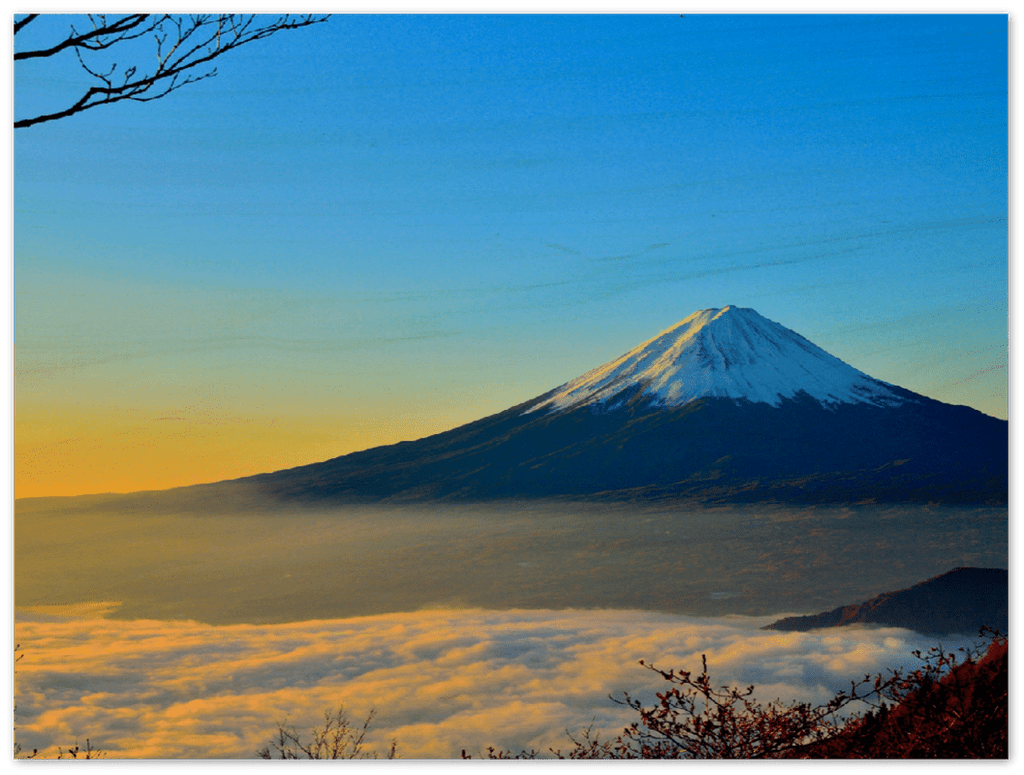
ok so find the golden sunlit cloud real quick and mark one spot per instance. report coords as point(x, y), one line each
point(440, 680)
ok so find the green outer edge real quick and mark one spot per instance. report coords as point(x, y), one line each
point(1014, 6)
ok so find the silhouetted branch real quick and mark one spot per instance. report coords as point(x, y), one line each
point(184, 47)
point(22, 22)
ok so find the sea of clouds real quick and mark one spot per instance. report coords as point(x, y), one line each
point(440, 680)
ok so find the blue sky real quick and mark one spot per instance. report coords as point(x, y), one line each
point(382, 227)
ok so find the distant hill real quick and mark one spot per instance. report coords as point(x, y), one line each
point(960, 601)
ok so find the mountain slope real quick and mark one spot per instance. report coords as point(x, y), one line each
point(724, 406)
point(961, 601)
point(725, 353)
point(710, 450)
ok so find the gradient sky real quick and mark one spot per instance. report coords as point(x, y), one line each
point(383, 227)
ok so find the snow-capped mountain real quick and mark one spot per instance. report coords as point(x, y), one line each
point(725, 406)
point(730, 352)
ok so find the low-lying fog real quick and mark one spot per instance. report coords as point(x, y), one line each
point(189, 635)
point(290, 566)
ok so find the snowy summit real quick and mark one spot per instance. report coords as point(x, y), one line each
point(730, 352)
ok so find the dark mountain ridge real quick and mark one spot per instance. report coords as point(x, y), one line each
point(961, 601)
point(712, 449)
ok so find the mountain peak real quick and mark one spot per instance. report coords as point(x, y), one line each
point(734, 447)
point(728, 352)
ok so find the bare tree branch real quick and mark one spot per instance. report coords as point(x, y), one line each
point(19, 24)
point(184, 45)
point(103, 35)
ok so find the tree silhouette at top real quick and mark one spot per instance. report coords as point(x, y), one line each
point(185, 47)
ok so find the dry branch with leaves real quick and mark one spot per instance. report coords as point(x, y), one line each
point(950, 707)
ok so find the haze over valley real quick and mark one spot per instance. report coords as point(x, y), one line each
point(287, 565)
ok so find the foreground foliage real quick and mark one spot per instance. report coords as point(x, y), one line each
point(338, 738)
point(944, 711)
point(950, 707)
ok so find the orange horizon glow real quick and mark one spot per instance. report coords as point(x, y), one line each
point(67, 453)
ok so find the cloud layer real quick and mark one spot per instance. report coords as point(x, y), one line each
point(440, 680)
